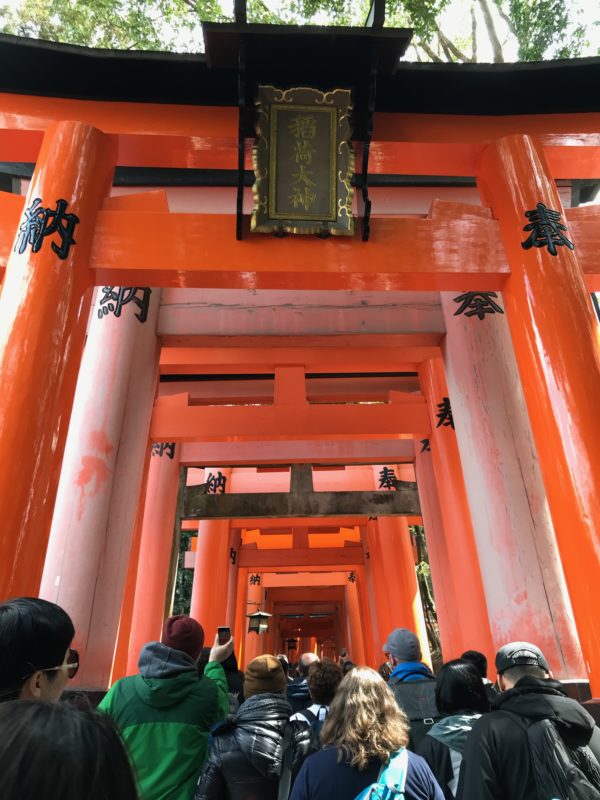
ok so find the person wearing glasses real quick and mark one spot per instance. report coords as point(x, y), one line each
point(36, 658)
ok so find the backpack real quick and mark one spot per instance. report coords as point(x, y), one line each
point(315, 723)
point(390, 781)
point(417, 700)
point(560, 771)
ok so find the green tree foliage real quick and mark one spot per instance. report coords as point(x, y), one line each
point(539, 28)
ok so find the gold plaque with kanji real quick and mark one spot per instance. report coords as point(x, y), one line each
point(303, 162)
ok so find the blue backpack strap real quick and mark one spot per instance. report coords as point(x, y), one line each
point(394, 773)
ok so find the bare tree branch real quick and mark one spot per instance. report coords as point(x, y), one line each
point(473, 34)
point(448, 45)
point(491, 31)
point(431, 53)
point(507, 19)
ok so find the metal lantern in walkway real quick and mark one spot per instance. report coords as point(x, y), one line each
point(259, 622)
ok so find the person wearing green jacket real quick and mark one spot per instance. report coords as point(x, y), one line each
point(166, 712)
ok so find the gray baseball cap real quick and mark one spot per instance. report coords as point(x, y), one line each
point(403, 644)
point(516, 654)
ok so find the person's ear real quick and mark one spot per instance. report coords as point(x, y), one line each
point(32, 688)
point(501, 683)
point(549, 674)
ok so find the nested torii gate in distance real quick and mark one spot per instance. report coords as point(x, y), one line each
point(509, 491)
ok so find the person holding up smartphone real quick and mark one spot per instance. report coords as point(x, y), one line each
point(166, 712)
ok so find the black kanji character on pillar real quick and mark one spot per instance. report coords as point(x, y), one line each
point(478, 303)
point(352, 577)
point(160, 448)
point(426, 448)
point(40, 222)
point(546, 230)
point(255, 579)
point(215, 484)
point(387, 478)
point(115, 297)
point(444, 414)
point(232, 555)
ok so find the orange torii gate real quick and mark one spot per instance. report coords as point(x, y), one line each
point(516, 160)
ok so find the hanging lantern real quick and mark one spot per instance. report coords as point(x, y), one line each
point(258, 622)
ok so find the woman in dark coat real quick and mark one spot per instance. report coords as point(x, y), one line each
point(245, 760)
point(461, 697)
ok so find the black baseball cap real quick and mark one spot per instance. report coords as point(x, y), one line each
point(517, 654)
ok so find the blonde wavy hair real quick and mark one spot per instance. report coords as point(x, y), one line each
point(364, 720)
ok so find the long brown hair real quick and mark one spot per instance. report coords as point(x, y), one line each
point(364, 720)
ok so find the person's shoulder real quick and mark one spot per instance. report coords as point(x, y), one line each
point(417, 763)
point(326, 757)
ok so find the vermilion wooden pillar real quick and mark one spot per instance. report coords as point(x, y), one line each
point(356, 649)
point(211, 571)
point(102, 469)
point(452, 637)
point(235, 541)
point(43, 315)
point(253, 641)
point(155, 553)
point(523, 579)
point(555, 338)
point(239, 631)
point(369, 644)
point(382, 599)
point(464, 562)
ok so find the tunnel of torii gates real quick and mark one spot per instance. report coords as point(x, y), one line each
point(157, 356)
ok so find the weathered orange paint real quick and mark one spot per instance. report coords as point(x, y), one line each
point(43, 314)
point(472, 628)
point(355, 627)
point(209, 589)
point(119, 669)
point(154, 555)
point(555, 337)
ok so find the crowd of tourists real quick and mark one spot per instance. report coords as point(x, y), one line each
point(191, 726)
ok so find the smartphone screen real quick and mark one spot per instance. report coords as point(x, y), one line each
point(224, 635)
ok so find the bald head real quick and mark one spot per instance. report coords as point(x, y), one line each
point(306, 659)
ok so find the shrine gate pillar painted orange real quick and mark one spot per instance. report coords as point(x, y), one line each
point(44, 309)
point(555, 338)
point(456, 516)
point(235, 542)
point(211, 571)
point(369, 644)
point(452, 636)
point(523, 580)
point(253, 641)
point(380, 599)
point(102, 470)
point(240, 625)
point(356, 648)
point(155, 553)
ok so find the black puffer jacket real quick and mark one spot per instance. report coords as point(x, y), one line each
point(244, 762)
point(496, 763)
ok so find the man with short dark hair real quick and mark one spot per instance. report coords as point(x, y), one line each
point(412, 682)
point(480, 663)
point(497, 762)
point(298, 694)
point(323, 679)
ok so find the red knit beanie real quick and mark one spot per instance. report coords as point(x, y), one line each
point(185, 634)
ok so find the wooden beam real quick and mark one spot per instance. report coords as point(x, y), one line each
point(178, 422)
point(197, 250)
point(374, 353)
point(272, 580)
point(342, 558)
point(355, 451)
point(174, 139)
point(403, 502)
